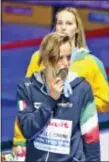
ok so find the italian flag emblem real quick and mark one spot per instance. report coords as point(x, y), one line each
point(22, 105)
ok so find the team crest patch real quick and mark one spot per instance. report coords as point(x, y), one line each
point(37, 105)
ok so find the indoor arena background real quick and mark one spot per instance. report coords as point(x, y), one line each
point(23, 27)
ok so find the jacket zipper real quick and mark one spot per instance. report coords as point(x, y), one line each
point(47, 156)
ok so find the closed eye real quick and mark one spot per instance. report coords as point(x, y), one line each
point(68, 57)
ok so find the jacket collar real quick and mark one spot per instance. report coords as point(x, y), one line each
point(38, 78)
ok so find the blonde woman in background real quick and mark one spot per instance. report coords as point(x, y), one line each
point(84, 64)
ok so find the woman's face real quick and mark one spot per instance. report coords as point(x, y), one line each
point(65, 55)
point(66, 23)
point(63, 61)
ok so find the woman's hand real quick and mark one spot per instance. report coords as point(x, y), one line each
point(55, 87)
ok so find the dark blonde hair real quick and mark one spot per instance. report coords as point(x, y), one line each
point(50, 48)
point(80, 40)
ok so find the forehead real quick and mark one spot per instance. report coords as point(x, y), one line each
point(65, 49)
point(65, 15)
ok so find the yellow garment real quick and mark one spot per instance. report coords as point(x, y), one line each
point(86, 67)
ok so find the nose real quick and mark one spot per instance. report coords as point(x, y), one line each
point(65, 62)
point(63, 27)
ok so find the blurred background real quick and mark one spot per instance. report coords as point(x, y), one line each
point(24, 23)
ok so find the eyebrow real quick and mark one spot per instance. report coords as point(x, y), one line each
point(66, 55)
point(66, 20)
